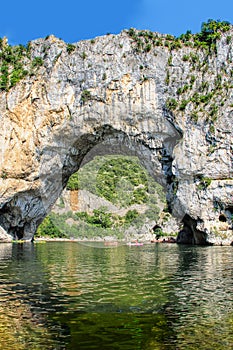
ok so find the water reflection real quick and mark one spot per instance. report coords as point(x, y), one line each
point(5, 251)
point(70, 296)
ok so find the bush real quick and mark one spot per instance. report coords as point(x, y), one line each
point(17, 75)
point(131, 32)
point(169, 62)
point(194, 116)
point(186, 37)
point(48, 228)
point(228, 40)
point(167, 79)
point(118, 180)
point(194, 58)
point(213, 111)
point(148, 47)
point(206, 98)
point(4, 82)
point(171, 104)
point(37, 62)
point(196, 98)
point(12, 62)
point(73, 183)
point(70, 48)
point(182, 89)
point(204, 183)
point(130, 216)
point(105, 220)
point(185, 58)
point(211, 32)
point(192, 79)
point(100, 218)
point(183, 105)
point(84, 55)
point(85, 96)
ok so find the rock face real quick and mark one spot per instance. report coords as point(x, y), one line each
point(170, 107)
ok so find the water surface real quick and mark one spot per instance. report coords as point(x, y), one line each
point(67, 295)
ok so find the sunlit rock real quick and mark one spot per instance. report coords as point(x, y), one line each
point(106, 94)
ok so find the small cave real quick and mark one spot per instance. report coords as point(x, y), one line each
point(229, 213)
point(190, 234)
point(157, 230)
point(222, 218)
point(229, 209)
point(17, 232)
point(18, 217)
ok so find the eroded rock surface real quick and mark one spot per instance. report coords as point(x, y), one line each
point(105, 94)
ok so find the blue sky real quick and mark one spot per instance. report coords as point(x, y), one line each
point(74, 20)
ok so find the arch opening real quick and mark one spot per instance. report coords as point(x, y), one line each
point(155, 158)
point(22, 214)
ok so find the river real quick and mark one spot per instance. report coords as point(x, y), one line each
point(70, 295)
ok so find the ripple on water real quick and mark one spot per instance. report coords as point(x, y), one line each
point(58, 295)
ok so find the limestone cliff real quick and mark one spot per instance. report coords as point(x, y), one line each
point(169, 101)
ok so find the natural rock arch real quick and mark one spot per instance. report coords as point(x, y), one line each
point(114, 95)
point(21, 215)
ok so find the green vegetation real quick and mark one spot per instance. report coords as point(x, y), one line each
point(213, 112)
point(185, 58)
point(204, 182)
point(171, 104)
point(85, 96)
point(229, 39)
point(211, 129)
point(194, 116)
point(100, 224)
point(122, 181)
point(61, 203)
point(37, 62)
point(49, 228)
point(70, 48)
point(17, 74)
point(16, 63)
point(4, 82)
point(192, 80)
point(145, 40)
point(209, 94)
point(102, 218)
point(12, 64)
point(83, 55)
point(169, 62)
point(182, 89)
point(208, 36)
point(4, 174)
point(210, 32)
point(167, 79)
point(73, 183)
point(183, 105)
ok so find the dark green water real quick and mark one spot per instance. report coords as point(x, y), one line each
point(66, 295)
